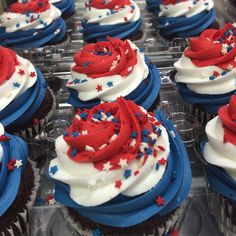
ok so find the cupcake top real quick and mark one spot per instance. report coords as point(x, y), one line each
point(111, 12)
point(208, 65)
point(117, 158)
point(221, 132)
point(187, 8)
point(107, 70)
point(22, 87)
point(13, 157)
point(33, 14)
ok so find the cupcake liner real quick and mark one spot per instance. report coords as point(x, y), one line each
point(20, 227)
point(35, 130)
point(164, 230)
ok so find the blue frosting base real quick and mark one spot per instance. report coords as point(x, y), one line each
point(185, 27)
point(144, 95)
point(25, 39)
point(153, 5)
point(67, 7)
point(128, 211)
point(96, 32)
point(25, 106)
point(210, 103)
point(15, 148)
point(220, 181)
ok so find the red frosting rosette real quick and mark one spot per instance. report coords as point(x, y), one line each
point(116, 132)
point(8, 61)
point(30, 6)
point(214, 47)
point(109, 4)
point(115, 57)
point(227, 115)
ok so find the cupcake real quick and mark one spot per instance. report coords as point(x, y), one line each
point(153, 5)
point(67, 7)
point(114, 18)
point(18, 185)
point(185, 18)
point(206, 71)
point(25, 102)
point(219, 152)
point(32, 24)
point(107, 70)
point(121, 171)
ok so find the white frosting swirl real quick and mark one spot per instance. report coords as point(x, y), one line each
point(91, 187)
point(198, 78)
point(104, 17)
point(188, 8)
point(122, 86)
point(15, 21)
point(218, 153)
point(18, 83)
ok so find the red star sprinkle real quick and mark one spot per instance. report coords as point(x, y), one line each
point(118, 183)
point(160, 201)
point(99, 88)
point(216, 73)
point(136, 172)
point(21, 72)
point(162, 161)
point(11, 164)
point(32, 74)
point(161, 148)
point(4, 138)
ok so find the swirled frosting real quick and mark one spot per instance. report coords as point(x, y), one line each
point(13, 157)
point(221, 132)
point(114, 18)
point(107, 70)
point(31, 24)
point(185, 18)
point(22, 88)
point(117, 149)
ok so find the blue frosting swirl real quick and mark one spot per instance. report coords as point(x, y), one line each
point(67, 7)
point(25, 106)
point(153, 5)
point(174, 187)
point(34, 38)
point(210, 103)
point(17, 149)
point(185, 27)
point(144, 95)
point(96, 32)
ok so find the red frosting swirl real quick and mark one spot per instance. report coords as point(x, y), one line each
point(214, 47)
point(8, 61)
point(31, 6)
point(227, 115)
point(167, 2)
point(115, 57)
point(111, 132)
point(109, 4)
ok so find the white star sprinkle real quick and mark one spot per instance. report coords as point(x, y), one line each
point(133, 143)
point(18, 163)
point(123, 163)
point(230, 67)
point(107, 166)
point(152, 136)
point(84, 132)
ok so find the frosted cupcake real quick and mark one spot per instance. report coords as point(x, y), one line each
point(121, 171)
point(114, 18)
point(25, 102)
point(206, 71)
point(18, 184)
point(67, 7)
point(32, 24)
point(107, 70)
point(219, 152)
point(185, 18)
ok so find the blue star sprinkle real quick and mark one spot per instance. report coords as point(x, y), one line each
point(83, 115)
point(145, 132)
point(109, 84)
point(75, 134)
point(76, 81)
point(133, 134)
point(16, 84)
point(53, 170)
point(127, 174)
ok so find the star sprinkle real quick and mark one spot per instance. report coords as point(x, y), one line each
point(16, 85)
point(162, 161)
point(53, 170)
point(107, 166)
point(160, 201)
point(127, 174)
point(32, 74)
point(4, 138)
point(18, 163)
point(11, 164)
point(109, 84)
point(123, 163)
point(99, 88)
point(21, 72)
point(118, 184)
